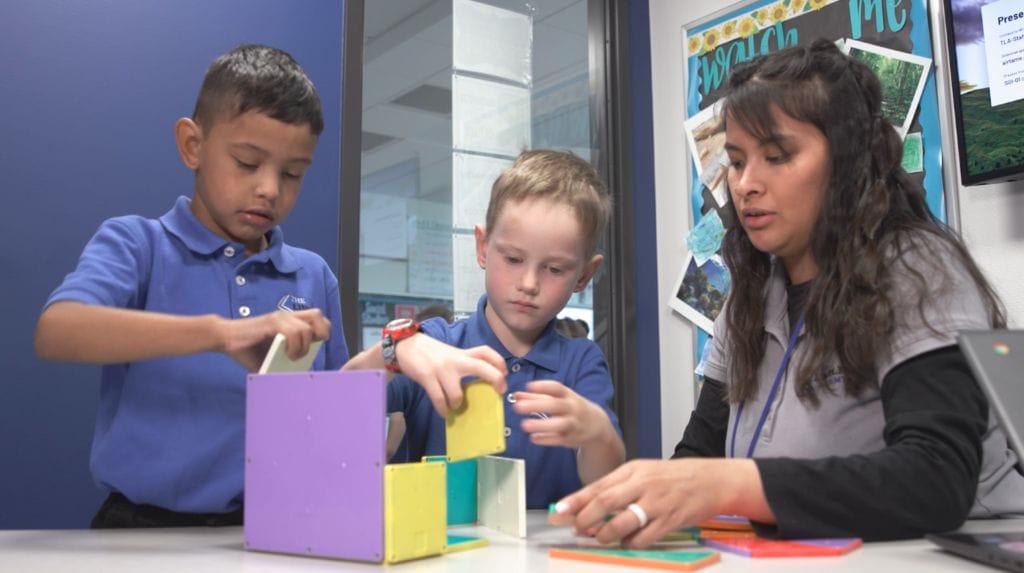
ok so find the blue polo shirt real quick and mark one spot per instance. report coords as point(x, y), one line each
point(170, 431)
point(576, 362)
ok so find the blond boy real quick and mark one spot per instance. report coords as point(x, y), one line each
point(547, 212)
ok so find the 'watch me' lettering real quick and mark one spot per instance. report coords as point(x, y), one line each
point(715, 64)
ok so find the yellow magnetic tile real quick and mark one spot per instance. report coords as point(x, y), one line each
point(415, 517)
point(477, 428)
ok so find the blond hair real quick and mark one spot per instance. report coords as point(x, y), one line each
point(558, 176)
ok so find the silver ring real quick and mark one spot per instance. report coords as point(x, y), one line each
point(640, 514)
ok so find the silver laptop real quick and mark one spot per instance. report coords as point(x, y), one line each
point(997, 359)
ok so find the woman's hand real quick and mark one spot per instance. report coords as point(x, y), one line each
point(671, 494)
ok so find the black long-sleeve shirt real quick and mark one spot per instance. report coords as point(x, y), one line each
point(924, 480)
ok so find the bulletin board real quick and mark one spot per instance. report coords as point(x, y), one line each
point(891, 36)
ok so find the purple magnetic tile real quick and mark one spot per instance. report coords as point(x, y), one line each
point(722, 545)
point(841, 542)
point(314, 447)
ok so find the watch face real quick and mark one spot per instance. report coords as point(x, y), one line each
point(399, 324)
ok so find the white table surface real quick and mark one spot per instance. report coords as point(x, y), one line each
point(220, 550)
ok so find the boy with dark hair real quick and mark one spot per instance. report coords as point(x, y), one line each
point(178, 309)
point(547, 212)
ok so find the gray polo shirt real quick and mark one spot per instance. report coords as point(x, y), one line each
point(843, 425)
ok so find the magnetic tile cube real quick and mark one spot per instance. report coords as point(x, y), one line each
point(316, 482)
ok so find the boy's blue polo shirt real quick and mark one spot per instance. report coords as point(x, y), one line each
point(170, 431)
point(576, 362)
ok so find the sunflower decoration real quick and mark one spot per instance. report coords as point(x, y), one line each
point(797, 6)
point(778, 12)
point(711, 38)
point(817, 4)
point(747, 27)
point(728, 29)
point(761, 15)
point(694, 44)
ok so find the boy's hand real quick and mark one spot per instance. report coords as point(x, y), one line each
point(440, 368)
point(564, 418)
point(248, 339)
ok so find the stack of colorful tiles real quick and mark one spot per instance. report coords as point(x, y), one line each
point(724, 527)
point(693, 548)
point(672, 560)
point(735, 534)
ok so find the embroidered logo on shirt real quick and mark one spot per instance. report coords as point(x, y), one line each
point(834, 377)
point(833, 382)
point(290, 302)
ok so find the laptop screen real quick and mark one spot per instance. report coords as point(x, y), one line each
point(997, 360)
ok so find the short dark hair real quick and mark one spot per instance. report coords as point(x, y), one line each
point(435, 310)
point(572, 327)
point(259, 78)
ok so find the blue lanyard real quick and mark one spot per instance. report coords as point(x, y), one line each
point(771, 395)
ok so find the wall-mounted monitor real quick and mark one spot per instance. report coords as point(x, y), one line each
point(986, 63)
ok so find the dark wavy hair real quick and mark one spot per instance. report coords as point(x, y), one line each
point(872, 215)
point(258, 78)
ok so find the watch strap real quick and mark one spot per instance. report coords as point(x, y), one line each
point(393, 332)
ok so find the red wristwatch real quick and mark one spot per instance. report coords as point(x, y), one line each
point(396, 330)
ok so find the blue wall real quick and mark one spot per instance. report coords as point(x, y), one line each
point(89, 95)
point(645, 257)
